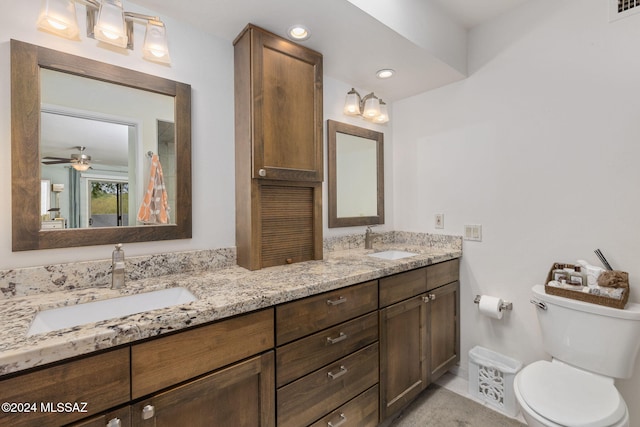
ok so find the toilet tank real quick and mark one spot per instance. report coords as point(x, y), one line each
point(589, 336)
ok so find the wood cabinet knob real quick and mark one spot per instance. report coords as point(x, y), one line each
point(262, 172)
point(289, 261)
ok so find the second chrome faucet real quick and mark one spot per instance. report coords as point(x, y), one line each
point(369, 237)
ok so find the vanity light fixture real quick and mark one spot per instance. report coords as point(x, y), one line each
point(107, 22)
point(370, 107)
point(299, 32)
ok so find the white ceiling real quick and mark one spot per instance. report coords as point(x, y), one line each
point(470, 13)
point(354, 44)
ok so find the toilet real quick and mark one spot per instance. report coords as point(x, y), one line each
point(590, 346)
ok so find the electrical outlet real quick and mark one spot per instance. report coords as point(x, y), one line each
point(473, 232)
point(439, 223)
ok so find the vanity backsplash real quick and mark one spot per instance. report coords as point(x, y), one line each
point(59, 277)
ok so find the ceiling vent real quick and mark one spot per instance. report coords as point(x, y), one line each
point(619, 9)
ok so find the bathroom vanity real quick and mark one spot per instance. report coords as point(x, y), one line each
point(316, 342)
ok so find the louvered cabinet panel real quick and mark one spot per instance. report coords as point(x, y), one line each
point(287, 224)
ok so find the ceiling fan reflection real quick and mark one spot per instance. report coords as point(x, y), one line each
point(80, 162)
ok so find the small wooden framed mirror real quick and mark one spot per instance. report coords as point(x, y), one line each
point(356, 175)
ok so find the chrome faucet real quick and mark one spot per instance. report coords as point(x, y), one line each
point(117, 268)
point(369, 236)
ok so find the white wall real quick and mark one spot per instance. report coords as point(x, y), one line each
point(540, 145)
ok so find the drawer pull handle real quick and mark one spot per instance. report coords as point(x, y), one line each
point(262, 172)
point(338, 301)
point(337, 339)
point(427, 298)
point(342, 420)
point(342, 371)
point(114, 422)
point(148, 412)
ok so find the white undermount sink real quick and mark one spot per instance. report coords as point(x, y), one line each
point(95, 311)
point(392, 254)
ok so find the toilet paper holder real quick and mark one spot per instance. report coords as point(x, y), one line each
point(506, 305)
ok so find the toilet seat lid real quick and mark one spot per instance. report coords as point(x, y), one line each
point(570, 397)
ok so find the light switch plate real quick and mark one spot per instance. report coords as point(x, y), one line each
point(439, 221)
point(473, 232)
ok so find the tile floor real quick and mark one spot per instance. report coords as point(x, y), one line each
point(460, 386)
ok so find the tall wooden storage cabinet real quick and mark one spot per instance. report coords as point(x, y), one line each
point(279, 154)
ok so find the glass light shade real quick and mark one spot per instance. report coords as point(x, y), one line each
point(383, 117)
point(155, 43)
point(59, 17)
point(81, 167)
point(81, 162)
point(110, 26)
point(352, 103)
point(371, 107)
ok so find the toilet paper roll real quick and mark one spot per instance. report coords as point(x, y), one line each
point(490, 306)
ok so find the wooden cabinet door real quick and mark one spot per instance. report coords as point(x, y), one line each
point(242, 395)
point(404, 354)
point(444, 328)
point(287, 109)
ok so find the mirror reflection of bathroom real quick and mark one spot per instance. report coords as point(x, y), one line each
point(167, 155)
point(356, 175)
point(93, 150)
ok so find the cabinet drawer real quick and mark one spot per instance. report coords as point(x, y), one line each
point(402, 286)
point(166, 361)
point(309, 315)
point(311, 397)
point(300, 357)
point(443, 273)
point(102, 381)
point(360, 412)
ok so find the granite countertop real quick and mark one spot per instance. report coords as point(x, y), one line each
point(221, 293)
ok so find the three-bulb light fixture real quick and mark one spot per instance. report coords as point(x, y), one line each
point(370, 107)
point(108, 23)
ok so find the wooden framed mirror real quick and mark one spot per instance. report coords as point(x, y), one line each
point(356, 175)
point(28, 63)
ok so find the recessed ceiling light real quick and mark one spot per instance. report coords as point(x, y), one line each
point(385, 73)
point(299, 32)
